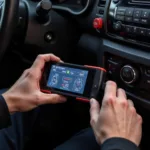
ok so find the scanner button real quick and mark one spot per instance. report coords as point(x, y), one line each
point(95, 87)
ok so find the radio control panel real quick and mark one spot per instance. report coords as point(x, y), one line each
point(129, 22)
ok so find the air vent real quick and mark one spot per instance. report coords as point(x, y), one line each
point(102, 3)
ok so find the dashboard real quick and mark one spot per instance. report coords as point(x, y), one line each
point(75, 7)
point(126, 45)
point(115, 32)
point(69, 3)
point(118, 31)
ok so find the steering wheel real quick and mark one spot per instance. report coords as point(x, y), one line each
point(8, 22)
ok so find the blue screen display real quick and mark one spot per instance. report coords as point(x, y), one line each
point(68, 79)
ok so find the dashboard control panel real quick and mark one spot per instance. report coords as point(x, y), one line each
point(129, 22)
point(133, 77)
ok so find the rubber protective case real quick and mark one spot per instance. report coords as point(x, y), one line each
point(97, 85)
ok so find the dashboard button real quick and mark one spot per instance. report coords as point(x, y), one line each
point(137, 13)
point(117, 26)
point(48, 37)
point(128, 19)
point(95, 87)
point(100, 11)
point(147, 82)
point(129, 12)
point(136, 20)
point(148, 32)
point(148, 71)
point(98, 23)
point(135, 30)
point(142, 31)
point(123, 27)
point(145, 14)
point(121, 9)
point(144, 21)
point(119, 17)
point(112, 66)
point(128, 29)
point(121, 13)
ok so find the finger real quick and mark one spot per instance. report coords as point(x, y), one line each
point(51, 99)
point(121, 94)
point(42, 59)
point(139, 118)
point(130, 102)
point(121, 97)
point(94, 110)
point(110, 92)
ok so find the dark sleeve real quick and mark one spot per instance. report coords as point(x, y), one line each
point(4, 114)
point(118, 144)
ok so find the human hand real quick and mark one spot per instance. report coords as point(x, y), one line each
point(117, 117)
point(25, 94)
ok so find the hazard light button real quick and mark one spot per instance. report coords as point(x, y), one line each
point(98, 23)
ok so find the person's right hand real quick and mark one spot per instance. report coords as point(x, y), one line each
point(117, 117)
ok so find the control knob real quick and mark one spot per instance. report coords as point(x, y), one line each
point(42, 10)
point(129, 74)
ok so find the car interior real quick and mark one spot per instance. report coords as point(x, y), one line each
point(113, 34)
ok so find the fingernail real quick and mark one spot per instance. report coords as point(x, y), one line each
point(92, 100)
point(64, 99)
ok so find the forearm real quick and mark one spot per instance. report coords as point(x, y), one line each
point(118, 144)
point(4, 114)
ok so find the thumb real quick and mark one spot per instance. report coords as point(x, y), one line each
point(94, 110)
point(51, 99)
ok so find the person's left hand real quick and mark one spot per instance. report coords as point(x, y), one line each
point(25, 94)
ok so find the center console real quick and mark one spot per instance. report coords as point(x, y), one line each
point(127, 57)
point(131, 76)
point(129, 20)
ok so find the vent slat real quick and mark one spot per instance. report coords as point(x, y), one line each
point(102, 3)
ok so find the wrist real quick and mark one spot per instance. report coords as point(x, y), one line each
point(10, 101)
point(125, 143)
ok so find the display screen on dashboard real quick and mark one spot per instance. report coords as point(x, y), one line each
point(67, 79)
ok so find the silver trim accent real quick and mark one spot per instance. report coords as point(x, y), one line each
point(140, 1)
point(71, 11)
point(134, 72)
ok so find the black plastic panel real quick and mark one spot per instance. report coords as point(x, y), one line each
point(125, 55)
point(124, 23)
point(128, 54)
